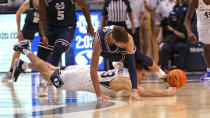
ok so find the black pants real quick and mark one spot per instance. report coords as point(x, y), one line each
point(167, 49)
point(123, 24)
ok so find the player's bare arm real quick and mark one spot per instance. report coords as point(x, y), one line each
point(192, 5)
point(86, 13)
point(132, 21)
point(21, 10)
point(94, 67)
point(42, 22)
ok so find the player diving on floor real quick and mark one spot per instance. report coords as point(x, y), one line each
point(77, 78)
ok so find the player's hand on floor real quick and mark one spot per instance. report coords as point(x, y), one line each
point(102, 98)
point(134, 95)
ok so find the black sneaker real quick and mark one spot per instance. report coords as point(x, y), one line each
point(21, 45)
point(17, 69)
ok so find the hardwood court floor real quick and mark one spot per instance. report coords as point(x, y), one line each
point(19, 100)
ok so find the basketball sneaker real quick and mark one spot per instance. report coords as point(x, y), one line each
point(42, 90)
point(21, 45)
point(17, 69)
point(205, 76)
point(164, 80)
point(7, 77)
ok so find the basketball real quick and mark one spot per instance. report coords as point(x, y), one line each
point(176, 78)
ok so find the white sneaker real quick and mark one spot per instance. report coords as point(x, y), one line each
point(7, 77)
point(42, 90)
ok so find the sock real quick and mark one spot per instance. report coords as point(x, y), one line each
point(44, 82)
point(160, 73)
point(11, 70)
point(25, 66)
point(208, 70)
point(26, 52)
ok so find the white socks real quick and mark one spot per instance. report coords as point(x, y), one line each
point(26, 52)
point(25, 66)
point(160, 73)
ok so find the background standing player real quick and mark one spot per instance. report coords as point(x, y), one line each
point(29, 29)
point(58, 23)
point(203, 25)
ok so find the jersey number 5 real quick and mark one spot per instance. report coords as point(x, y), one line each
point(60, 15)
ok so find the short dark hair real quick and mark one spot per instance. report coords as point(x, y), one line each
point(120, 34)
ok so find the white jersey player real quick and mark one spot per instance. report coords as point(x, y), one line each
point(77, 78)
point(203, 25)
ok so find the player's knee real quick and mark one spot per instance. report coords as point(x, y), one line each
point(44, 52)
point(61, 46)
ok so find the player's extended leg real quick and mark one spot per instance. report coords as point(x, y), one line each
point(207, 60)
point(8, 76)
point(150, 64)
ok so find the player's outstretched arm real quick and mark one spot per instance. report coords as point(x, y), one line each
point(157, 93)
point(192, 5)
point(94, 67)
point(42, 22)
point(85, 10)
point(21, 10)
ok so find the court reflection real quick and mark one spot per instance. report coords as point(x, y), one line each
point(150, 107)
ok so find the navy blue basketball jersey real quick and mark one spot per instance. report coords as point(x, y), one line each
point(102, 33)
point(32, 14)
point(61, 13)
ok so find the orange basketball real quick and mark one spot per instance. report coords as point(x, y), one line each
point(176, 78)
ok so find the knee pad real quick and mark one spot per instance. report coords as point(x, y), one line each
point(59, 47)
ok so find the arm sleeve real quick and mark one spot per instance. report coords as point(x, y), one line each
point(132, 69)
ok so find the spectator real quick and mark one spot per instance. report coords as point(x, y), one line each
point(138, 12)
point(174, 35)
point(181, 9)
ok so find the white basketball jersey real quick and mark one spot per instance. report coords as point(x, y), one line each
point(203, 13)
point(77, 78)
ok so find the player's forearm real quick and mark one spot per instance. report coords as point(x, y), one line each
point(132, 19)
point(132, 69)
point(187, 24)
point(102, 21)
point(42, 28)
point(18, 19)
point(152, 93)
point(86, 12)
point(95, 82)
point(42, 21)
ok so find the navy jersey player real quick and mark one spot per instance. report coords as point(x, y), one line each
point(30, 27)
point(114, 43)
point(58, 23)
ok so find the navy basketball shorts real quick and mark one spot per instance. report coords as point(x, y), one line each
point(29, 31)
point(65, 34)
